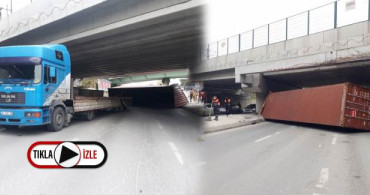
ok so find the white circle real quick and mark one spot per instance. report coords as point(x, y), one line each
point(70, 160)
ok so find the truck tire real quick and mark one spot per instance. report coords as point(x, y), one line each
point(57, 120)
point(90, 115)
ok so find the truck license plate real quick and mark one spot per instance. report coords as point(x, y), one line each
point(7, 113)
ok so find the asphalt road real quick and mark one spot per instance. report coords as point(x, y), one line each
point(276, 158)
point(149, 152)
point(155, 151)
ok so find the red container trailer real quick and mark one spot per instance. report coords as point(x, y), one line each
point(343, 105)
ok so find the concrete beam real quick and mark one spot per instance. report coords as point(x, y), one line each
point(117, 38)
point(40, 13)
point(347, 43)
point(126, 23)
point(214, 75)
point(150, 76)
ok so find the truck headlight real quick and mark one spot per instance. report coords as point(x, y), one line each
point(32, 114)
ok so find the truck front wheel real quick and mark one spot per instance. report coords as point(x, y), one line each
point(57, 120)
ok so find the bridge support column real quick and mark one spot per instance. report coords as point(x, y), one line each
point(255, 83)
point(260, 99)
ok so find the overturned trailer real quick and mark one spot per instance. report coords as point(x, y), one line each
point(158, 96)
point(343, 105)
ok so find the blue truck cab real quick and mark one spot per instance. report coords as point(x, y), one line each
point(35, 86)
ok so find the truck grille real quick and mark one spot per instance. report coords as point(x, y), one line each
point(12, 98)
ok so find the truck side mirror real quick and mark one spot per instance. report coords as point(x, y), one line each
point(52, 72)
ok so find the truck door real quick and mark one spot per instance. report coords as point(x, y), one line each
point(50, 84)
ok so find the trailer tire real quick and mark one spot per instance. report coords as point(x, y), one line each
point(90, 115)
point(57, 120)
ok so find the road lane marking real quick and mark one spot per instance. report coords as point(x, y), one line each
point(266, 137)
point(201, 164)
point(235, 129)
point(139, 163)
point(324, 177)
point(334, 139)
point(176, 151)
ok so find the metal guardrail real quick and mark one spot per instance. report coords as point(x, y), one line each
point(326, 17)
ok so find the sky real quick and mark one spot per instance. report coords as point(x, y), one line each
point(226, 18)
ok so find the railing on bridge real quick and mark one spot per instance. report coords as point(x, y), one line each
point(326, 17)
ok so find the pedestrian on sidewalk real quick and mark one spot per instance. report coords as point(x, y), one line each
point(202, 96)
point(195, 95)
point(191, 94)
point(228, 106)
point(216, 104)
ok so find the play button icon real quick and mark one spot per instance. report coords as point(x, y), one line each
point(67, 154)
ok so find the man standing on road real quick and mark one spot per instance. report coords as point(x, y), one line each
point(215, 104)
point(228, 106)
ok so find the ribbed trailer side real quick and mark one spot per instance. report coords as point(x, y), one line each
point(344, 105)
point(357, 107)
point(180, 97)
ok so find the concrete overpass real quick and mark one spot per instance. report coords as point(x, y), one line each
point(114, 37)
point(312, 58)
point(150, 77)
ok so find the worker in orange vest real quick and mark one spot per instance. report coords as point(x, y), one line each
point(202, 96)
point(215, 104)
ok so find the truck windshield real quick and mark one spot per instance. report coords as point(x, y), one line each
point(20, 72)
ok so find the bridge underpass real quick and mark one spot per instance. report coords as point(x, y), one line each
point(354, 72)
point(227, 88)
point(222, 84)
point(124, 41)
point(326, 57)
point(116, 38)
point(151, 151)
